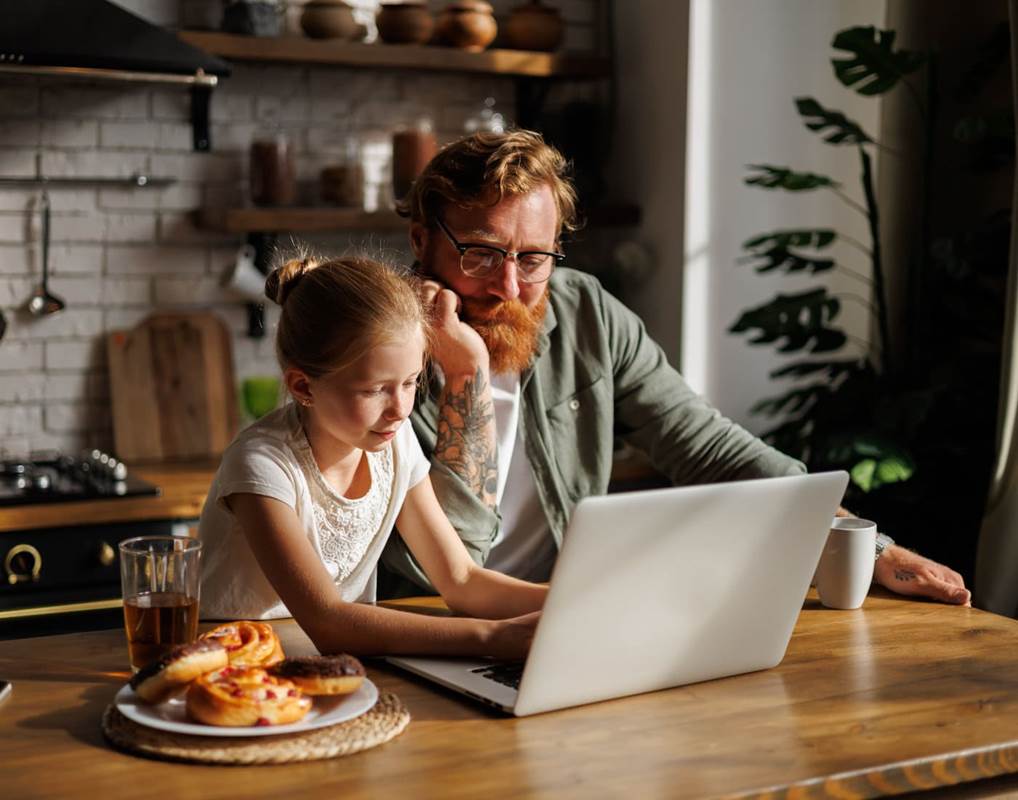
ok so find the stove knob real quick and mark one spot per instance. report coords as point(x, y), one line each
point(117, 469)
point(41, 482)
point(23, 563)
point(107, 555)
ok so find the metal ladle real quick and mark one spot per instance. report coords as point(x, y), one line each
point(42, 302)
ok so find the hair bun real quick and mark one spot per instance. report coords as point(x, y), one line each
point(284, 278)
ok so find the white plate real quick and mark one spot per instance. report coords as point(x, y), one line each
point(171, 715)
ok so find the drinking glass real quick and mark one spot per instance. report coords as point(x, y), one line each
point(261, 395)
point(159, 576)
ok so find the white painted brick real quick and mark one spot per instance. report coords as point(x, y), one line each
point(67, 417)
point(172, 104)
point(62, 355)
point(273, 108)
point(333, 110)
point(197, 291)
point(127, 291)
point(77, 292)
point(229, 106)
point(234, 137)
point(265, 80)
point(70, 133)
point(155, 260)
point(18, 356)
point(66, 385)
point(174, 136)
point(13, 228)
point(20, 419)
point(71, 323)
point(142, 134)
point(16, 200)
point(91, 164)
point(18, 101)
point(75, 259)
point(15, 291)
point(19, 133)
point(17, 447)
point(77, 227)
point(68, 199)
point(130, 227)
point(87, 102)
point(196, 167)
point(17, 163)
point(182, 196)
point(122, 319)
point(226, 195)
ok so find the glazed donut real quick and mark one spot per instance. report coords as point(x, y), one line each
point(158, 680)
point(243, 696)
point(318, 675)
point(248, 644)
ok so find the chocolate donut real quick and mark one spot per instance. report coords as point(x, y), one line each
point(158, 680)
point(322, 675)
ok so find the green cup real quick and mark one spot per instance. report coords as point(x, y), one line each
point(261, 395)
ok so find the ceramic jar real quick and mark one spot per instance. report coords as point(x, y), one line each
point(534, 26)
point(330, 19)
point(404, 23)
point(467, 24)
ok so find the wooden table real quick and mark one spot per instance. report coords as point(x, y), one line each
point(900, 695)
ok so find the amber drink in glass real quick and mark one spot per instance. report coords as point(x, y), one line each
point(160, 580)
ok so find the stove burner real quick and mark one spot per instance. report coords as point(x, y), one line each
point(53, 477)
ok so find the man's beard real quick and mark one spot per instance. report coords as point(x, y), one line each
point(508, 328)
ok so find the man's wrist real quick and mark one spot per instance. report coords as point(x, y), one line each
point(883, 542)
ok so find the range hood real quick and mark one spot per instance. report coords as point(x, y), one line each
point(97, 39)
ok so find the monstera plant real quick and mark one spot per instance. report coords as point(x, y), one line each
point(842, 412)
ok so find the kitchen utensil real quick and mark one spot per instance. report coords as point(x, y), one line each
point(467, 24)
point(330, 19)
point(42, 302)
point(404, 23)
point(172, 387)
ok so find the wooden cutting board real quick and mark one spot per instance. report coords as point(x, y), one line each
point(172, 388)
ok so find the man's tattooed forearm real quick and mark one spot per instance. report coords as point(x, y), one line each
point(465, 442)
point(904, 575)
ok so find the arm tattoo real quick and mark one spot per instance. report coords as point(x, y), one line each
point(904, 575)
point(466, 441)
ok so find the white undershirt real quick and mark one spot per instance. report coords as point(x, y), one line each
point(524, 546)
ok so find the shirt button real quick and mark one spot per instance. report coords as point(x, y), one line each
point(574, 404)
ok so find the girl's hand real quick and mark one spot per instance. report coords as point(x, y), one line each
point(511, 638)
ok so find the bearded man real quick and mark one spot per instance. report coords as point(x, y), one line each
point(538, 368)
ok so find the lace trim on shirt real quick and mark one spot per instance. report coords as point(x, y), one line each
point(347, 527)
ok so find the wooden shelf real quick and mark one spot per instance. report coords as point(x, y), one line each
point(302, 50)
point(324, 220)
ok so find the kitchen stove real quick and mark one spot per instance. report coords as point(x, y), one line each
point(56, 478)
point(67, 576)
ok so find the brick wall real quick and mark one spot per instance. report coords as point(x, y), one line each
point(116, 255)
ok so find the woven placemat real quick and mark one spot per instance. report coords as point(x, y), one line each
point(386, 720)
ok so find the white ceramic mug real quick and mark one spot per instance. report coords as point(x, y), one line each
point(243, 278)
point(845, 570)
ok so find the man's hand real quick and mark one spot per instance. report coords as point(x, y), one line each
point(458, 348)
point(908, 573)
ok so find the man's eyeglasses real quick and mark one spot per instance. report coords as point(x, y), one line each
point(484, 260)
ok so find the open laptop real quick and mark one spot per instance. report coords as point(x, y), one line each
point(662, 588)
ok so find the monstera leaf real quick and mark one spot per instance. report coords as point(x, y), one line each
point(771, 177)
point(775, 250)
point(799, 319)
point(832, 369)
point(872, 473)
point(842, 129)
point(875, 66)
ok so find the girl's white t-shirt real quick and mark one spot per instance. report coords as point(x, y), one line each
point(272, 458)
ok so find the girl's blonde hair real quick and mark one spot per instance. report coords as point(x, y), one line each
point(335, 310)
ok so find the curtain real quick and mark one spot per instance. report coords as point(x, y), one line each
point(996, 578)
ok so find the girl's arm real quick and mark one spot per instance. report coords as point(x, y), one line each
point(465, 587)
point(300, 579)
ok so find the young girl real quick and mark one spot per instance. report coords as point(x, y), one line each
point(306, 497)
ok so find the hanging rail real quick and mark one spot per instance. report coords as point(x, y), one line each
point(134, 181)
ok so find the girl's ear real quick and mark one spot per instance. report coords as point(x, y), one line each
point(418, 239)
point(298, 385)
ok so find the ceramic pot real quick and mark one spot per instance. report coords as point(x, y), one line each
point(404, 23)
point(467, 24)
point(330, 19)
point(534, 26)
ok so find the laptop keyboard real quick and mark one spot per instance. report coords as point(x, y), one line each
point(508, 674)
